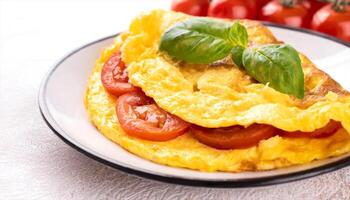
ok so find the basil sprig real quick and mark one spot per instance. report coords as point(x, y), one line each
point(204, 41)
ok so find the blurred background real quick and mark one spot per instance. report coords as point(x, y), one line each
point(331, 17)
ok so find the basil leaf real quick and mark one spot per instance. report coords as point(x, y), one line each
point(197, 40)
point(236, 54)
point(276, 64)
point(238, 35)
point(203, 41)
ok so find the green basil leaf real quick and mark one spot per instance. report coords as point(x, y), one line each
point(238, 35)
point(197, 40)
point(276, 64)
point(236, 54)
point(203, 41)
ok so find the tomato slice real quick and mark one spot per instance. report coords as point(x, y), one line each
point(234, 137)
point(326, 131)
point(139, 116)
point(114, 76)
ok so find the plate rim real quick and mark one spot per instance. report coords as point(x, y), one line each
point(254, 182)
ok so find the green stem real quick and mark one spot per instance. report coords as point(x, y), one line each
point(288, 3)
point(339, 5)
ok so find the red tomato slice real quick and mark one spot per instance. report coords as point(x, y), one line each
point(234, 137)
point(233, 9)
point(191, 7)
point(326, 131)
point(140, 117)
point(114, 76)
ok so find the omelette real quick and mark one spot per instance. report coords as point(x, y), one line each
point(218, 95)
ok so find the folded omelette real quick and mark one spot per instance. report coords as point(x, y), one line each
point(214, 97)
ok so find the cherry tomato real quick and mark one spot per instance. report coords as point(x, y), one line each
point(312, 5)
point(262, 3)
point(296, 15)
point(140, 117)
point(191, 7)
point(234, 137)
point(326, 131)
point(233, 9)
point(114, 76)
point(332, 22)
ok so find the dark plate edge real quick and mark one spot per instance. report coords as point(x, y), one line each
point(279, 179)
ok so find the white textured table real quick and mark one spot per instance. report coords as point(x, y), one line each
point(36, 164)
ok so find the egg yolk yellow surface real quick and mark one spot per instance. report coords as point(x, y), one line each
point(218, 96)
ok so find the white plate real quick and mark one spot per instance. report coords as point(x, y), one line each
point(61, 104)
